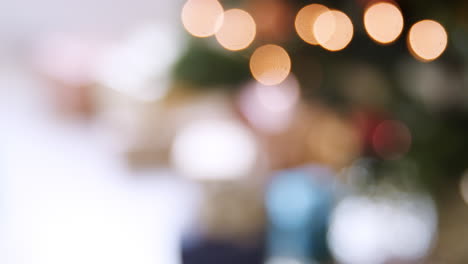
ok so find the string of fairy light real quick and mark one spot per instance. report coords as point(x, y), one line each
point(316, 24)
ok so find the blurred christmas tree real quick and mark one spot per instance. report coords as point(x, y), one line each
point(377, 81)
point(409, 108)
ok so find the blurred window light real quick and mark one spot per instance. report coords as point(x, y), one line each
point(305, 20)
point(375, 230)
point(383, 22)
point(238, 30)
point(270, 109)
point(139, 66)
point(333, 30)
point(202, 18)
point(67, 59)
point(427, 40)
point(270, 64)
point(75, 202)
point(391, 139)
point(214, 150)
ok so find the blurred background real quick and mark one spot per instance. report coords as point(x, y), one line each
point(255, 131)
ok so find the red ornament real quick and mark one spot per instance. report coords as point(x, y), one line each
point(391, 139)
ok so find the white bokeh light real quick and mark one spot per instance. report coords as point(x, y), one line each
point(375, 230)
point(214, 150)
point(139, 66)
point(270, 108)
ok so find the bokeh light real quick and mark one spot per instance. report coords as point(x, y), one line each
point(391, 139)
point(333, 30)
point(383, 22)
point(202, 18)
point(125, 67)
point(238, 30)
point(427, 40)
point(305, 20)
point(270, 64)
point(333, 140)
point(375, 230)
point(279, 98)
point(214, 150)
point(270, 109)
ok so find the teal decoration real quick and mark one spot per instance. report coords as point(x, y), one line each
point(299, 203)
